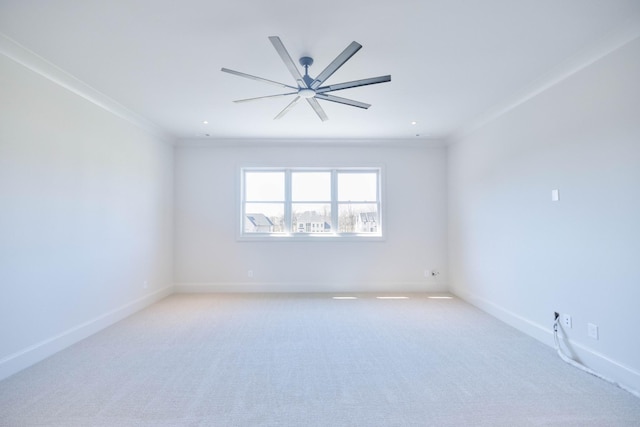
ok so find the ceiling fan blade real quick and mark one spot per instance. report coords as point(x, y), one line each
point(287, 108)
point(260, 79)
point(286, 58)
point(265, 97)
point(355, 83)
point(337, 63)
point(340, 100)
point(318, 109)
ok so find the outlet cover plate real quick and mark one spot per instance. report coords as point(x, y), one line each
point(566, 320)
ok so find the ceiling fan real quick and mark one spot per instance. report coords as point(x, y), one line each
point(309, 88)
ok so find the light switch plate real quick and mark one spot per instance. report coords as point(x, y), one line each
point(593, 330)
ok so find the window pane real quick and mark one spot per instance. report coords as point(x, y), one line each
point(264, 186)
point(310, 186)
point(358, 218)
point(311, 218)
point(310, 202)
point(264, 218)
point(358, 187)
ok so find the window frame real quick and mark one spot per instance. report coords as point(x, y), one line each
point(289, 234)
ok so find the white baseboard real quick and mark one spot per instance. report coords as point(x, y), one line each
point(312, 287)
point(618, 373)
point(535, 330)
point(35, 353)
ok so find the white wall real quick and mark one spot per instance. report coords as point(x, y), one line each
point(85, 217)
point(208, 256)
point(521, 256)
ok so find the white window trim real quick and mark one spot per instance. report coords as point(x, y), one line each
point(316, 237)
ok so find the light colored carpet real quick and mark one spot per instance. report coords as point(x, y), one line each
point(310, 360)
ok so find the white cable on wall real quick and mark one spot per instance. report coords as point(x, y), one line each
point(580, 366)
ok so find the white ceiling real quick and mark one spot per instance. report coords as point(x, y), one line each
point(451, 61)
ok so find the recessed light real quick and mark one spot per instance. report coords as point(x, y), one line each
point(414, 123)
point(205, 122)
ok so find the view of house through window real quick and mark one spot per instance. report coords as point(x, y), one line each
point(303, 201)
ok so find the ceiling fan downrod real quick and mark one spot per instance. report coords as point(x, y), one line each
point(306, 62)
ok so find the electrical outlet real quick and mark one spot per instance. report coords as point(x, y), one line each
point(593, 330)
point(250, 273)
point(566, 320)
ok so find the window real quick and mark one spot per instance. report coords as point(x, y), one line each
point(310, 202)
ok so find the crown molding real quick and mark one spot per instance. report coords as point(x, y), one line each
point(34, 62)
point(606, 45)
point(311, 143)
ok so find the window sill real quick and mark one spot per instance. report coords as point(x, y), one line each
point(310, 237)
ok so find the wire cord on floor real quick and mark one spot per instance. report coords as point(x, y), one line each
point(579, 365)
